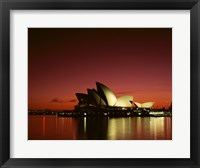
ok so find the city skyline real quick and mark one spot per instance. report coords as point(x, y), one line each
point(132, 61)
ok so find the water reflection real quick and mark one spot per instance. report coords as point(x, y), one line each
point(103, 128)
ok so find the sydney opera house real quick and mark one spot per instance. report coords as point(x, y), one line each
point(103, 98)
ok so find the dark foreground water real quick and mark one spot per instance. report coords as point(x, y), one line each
point(68, 128)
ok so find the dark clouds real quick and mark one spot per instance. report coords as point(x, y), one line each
point(73, 100)
point(59, 100)
point(56, 100)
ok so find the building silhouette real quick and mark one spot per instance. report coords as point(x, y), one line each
point(104, 98)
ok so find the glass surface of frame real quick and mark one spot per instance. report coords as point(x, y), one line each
point(6, 158)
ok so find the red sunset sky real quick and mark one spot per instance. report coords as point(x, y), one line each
point(130, 61)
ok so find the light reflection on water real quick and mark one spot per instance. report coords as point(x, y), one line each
point(129, 128)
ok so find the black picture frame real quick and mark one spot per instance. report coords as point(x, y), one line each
point(7, 5)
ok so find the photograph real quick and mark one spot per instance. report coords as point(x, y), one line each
point(100, 84)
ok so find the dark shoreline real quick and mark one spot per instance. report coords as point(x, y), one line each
point(101, 114)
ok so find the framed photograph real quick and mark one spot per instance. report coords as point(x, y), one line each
point(99, 83)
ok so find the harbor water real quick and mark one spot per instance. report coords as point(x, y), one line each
point(51, 127)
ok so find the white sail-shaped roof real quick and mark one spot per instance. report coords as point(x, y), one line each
point(108, 96)
point(144, 105)
point(103, 96)
point(82, 97)
point(139, 105)
point(147, 105)
point(124, 101)
point(96, 97)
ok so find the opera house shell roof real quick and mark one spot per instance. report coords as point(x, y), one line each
point(144, 105)
point(103, 96)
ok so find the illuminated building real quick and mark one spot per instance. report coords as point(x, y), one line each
point(146, 105)
point(103, 97)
